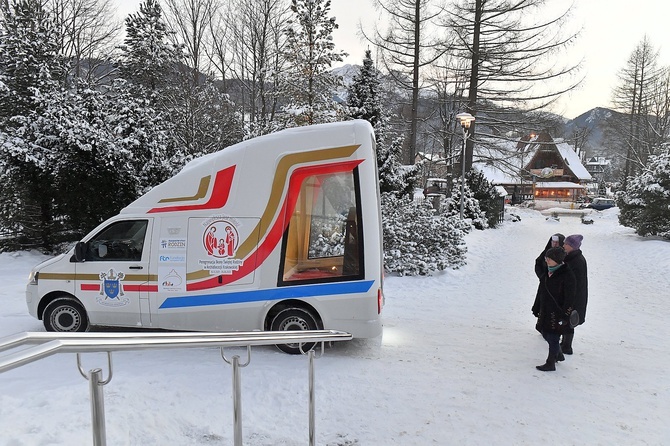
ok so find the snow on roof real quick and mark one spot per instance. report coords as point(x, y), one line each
point(501, 191)
point(598, 161)
point(572, 161)
point(496, 176)
point(500, 160)
point(432, 157)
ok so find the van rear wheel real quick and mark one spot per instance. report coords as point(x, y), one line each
point(65, 314)
point(294, 319)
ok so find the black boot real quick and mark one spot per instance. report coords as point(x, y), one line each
point(548, 366)
point(559, 356)
point(566, 343)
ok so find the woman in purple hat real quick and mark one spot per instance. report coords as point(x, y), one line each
point(577, 263)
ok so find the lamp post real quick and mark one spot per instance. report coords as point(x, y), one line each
point(465, 119)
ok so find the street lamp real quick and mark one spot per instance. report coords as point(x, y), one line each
point(465, 119)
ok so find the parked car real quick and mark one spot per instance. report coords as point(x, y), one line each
point(600, 204)
point(436, 186)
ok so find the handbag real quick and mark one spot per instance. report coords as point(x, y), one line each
point(573, 318)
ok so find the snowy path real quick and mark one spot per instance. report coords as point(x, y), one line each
point(456, 364)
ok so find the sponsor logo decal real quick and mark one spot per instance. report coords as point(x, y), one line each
point(172, 281)
point(173, 243)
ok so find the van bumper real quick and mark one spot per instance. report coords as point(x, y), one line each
point(32, 300)
point(358, 328)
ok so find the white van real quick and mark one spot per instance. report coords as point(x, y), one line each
point(280, 232)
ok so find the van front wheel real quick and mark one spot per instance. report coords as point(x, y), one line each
point(65, 314)
point(294, 319)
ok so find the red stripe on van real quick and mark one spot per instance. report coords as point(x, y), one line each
point(275, 233)
point(129, 288)
point(217, 199)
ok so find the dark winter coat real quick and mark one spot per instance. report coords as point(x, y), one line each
point(577, 263)
point(563, 287)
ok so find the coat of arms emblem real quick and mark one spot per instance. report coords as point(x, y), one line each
point(111, 286)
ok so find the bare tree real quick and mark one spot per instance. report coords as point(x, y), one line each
point(661, 108)
point(191, 21)
point(512, 48)
point(88, 31)
point(450, 86)
point(634, 95)
point(407, 48)
point(256, 40)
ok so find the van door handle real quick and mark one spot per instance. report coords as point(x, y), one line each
point(135, 267)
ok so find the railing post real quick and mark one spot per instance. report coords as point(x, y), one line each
point(237, 402)
point(311, 399)
point(237, 393)
point(95, 384)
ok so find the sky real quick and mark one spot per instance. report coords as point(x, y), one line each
point(611, 29)
point(454, 366)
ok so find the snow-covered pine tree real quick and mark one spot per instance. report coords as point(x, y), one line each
point(82, 159)
point(141, 129)
point(31, 69)
point(486, 195)
point(148, 59)
point(451, 206)
point(308, 86)
point(363, 96)
point(30, 63)
point(417, 241)
point(645, 203)
point(364, 102)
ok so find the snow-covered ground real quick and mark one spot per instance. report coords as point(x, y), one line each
point(456, 363)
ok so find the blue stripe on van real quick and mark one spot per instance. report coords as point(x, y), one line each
point(289, 292)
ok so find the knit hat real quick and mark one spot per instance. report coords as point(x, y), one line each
point(556, 254)
point(574, 240)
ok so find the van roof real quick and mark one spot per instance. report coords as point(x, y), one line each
point(248, 168)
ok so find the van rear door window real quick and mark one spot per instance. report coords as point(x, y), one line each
point(323, 241)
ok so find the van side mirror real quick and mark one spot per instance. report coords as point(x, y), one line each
point(79, 252)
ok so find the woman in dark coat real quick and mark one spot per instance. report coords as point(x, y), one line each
point(555, 240)
point(577, 263)
point(555, 300)
point(540, 265)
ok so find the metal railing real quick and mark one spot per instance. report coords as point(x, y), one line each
point(47, 344)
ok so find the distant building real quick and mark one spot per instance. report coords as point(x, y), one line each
point(536, 167)
point(598, 166)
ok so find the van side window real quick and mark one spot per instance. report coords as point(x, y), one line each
point(120, 241)
point(324, 241)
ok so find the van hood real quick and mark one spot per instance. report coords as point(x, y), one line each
point(44, 265)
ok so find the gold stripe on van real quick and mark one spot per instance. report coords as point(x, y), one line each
point(202, 191)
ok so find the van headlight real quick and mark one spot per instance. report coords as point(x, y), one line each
point(32, 278)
